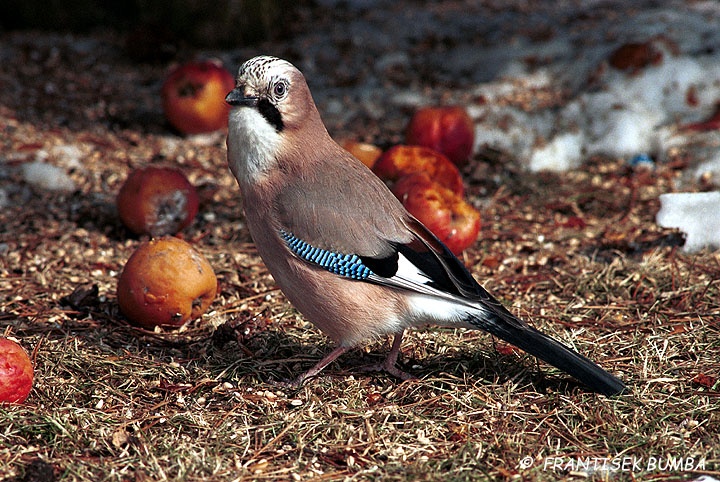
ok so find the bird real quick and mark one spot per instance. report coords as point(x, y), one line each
point(342, 248)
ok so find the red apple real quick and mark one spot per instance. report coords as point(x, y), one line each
point(193, 97)
point(166, 282)
point(399, 161)
point(447, 215)
point(367, 153)
point(16, 372)
point(448, 130)
point(635, 56)
point(157, 201)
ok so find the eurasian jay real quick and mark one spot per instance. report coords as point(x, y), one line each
point(341, 247)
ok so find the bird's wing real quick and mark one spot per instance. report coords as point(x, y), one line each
point(427, 266)
point(416, 261)
point(355, 213)
point(356, 217)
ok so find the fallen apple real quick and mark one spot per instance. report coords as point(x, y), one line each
point(634, 56)
point(157, 201)
point(166, 282)
point(193, 97)
point(447, 215)
point(16, 372)
point(399, 161)
point(367, 153)
point(449, 130)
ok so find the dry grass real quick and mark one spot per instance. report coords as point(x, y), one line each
point(578, 254)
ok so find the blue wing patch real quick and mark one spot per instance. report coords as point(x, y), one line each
point(348, 265)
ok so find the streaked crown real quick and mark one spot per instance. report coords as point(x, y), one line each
point(264, 67)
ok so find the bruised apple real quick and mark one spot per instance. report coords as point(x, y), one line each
point(166, 282)
point(399, 161)
point(16, 372)
point(367, 153)
point(157, 201)
point(448, 130)
point(447, 215)
point(193, 96)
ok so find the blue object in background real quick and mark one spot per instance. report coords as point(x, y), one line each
point(641, 160)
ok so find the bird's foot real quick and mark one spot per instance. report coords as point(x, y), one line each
point(287, 384)
point(389, 365)
point(389, 368)
point(378, 367)
point(314, 371)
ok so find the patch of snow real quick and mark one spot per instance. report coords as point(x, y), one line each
point(560, 154)
point(496, 58)
point(697, 214)
point(46, 176)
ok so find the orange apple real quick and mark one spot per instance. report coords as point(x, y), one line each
point(16, 372)
point(448, 130)
point(367, 153)
point(157, 201)
point(399, 161)
point(166, 282)
point(193, 97)
point(447, 215)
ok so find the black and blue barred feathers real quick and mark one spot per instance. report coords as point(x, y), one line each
point(348, 265)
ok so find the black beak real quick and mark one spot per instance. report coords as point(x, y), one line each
point(237, 97)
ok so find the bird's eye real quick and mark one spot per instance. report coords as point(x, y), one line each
point(280, 89)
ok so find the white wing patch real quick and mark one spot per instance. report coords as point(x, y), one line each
point(428, 304)
point(409, 272)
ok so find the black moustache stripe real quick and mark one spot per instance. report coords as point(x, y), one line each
point(271, 114)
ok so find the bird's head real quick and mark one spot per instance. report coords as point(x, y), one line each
point(272, 114)
point(275, 89)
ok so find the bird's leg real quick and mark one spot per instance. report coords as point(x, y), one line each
point(394, 353)
point(389, 364)
point(319, 366)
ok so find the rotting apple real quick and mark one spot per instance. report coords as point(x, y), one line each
point(16, 372)
point(367, 153)
point(193, 96)
point(165, 282)
point(157, 201)
point(455, 222)
point(401, 160)
point(449, 130)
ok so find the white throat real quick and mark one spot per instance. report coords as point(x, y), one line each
point(252, 145)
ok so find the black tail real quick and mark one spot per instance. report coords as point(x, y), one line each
point(501, 323)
